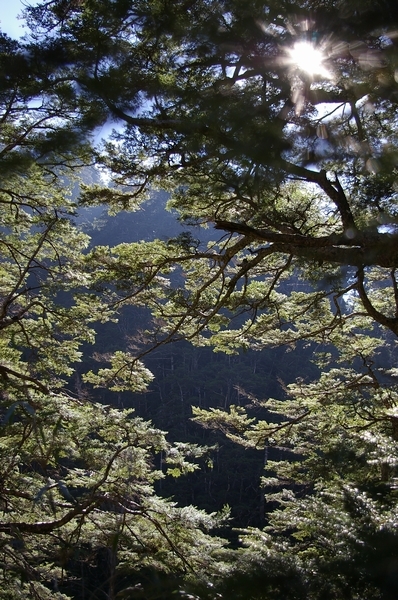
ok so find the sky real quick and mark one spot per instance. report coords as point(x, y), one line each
point(9, 9)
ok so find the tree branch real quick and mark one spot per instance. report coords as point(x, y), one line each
point(44, 527)
point(369, 248)
point(333, 190)
point(389, 322)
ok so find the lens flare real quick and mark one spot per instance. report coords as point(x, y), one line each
point(306, 57)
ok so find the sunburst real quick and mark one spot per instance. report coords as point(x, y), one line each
point(308, 58)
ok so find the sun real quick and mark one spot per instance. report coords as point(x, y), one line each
point(309, 59)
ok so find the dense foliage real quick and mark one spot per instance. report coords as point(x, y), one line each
point(79, 513)
point(297, 171)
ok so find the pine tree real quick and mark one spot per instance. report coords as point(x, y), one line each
point(79, 514)
point(296, 169)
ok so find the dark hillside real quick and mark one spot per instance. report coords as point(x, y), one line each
point(187, 376)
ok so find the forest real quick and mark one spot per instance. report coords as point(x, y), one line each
point(199, 301)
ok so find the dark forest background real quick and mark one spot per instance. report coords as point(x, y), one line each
point(186, 376)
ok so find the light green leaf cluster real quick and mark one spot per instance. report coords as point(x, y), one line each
point(334, 481)
point(125, 373)
point(78, 475)
point(78, 478)
point(181, 455)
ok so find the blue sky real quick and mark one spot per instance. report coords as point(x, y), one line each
point(9, 9)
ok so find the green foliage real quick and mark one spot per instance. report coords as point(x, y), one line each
point(77, 477)
point(334, 485)
point(79, 512)
point(298, 171)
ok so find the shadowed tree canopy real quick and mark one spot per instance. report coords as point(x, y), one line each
point(297, 166)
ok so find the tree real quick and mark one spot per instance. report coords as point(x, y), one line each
point(79, 513)
point(297, 169)
point(332, 496)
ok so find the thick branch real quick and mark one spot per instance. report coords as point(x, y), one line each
point(378, 249)
point(144, 122)
point(44, 527)
point(389, 322)
point(333, 190)
point(6, 372)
